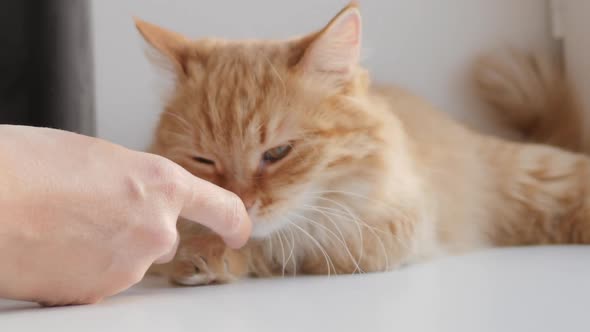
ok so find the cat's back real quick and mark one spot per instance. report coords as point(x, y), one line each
point(421, 121)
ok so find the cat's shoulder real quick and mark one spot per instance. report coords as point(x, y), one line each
point(408, 106)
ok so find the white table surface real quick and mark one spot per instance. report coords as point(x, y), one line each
point(536, 289)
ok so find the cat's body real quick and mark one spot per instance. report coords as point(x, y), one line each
point(487, 191)
point(341, 176)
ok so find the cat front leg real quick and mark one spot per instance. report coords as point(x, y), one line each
point(204, 259)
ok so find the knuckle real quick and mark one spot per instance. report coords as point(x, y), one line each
point(171, 191)
point(129, 279)
point(167, 238)
point(131, 275)
point(136, 277)
point(160, 238)
point(165, 174)
point(158, 168)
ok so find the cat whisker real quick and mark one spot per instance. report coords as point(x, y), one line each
point(279, 234)
point(329, 263)
point(291, 254)
point(374, 229)
point(397, 212)
point(292, 244)
point(357, 224)
point(371, 229)
point(342, 239)
point(356, 195)
point(344, 214)
point(361, 248)
point(269, 249)
point(270, 241)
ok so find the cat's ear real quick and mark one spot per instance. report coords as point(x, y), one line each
point(335, 50)
point(172, 46)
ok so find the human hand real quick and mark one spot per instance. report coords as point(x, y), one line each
point(82, 219)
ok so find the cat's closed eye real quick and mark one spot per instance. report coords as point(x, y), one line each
point(276, 154)
point(204, 161)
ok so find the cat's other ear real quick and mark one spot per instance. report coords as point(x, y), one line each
point(335, 50)
point(168, 44)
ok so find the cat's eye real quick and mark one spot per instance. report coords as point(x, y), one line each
point(276, 154)
point(204, 161)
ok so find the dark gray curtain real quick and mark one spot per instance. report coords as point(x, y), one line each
point(46, 76)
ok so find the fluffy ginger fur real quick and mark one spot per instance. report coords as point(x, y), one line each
point(375, 177)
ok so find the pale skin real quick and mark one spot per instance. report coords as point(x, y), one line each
point(82, 219)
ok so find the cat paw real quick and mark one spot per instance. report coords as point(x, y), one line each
point(204, 260)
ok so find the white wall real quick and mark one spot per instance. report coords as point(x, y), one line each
point(425, 45)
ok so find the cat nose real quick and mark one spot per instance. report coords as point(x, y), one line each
point(248, 196)
point(249, 202)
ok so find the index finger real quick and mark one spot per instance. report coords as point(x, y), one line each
point(218, 209)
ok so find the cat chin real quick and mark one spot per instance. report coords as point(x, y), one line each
point(263, 229)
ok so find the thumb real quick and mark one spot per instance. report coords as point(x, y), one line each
point(218, 209)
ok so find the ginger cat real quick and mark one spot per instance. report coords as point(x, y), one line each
point(343, 176)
